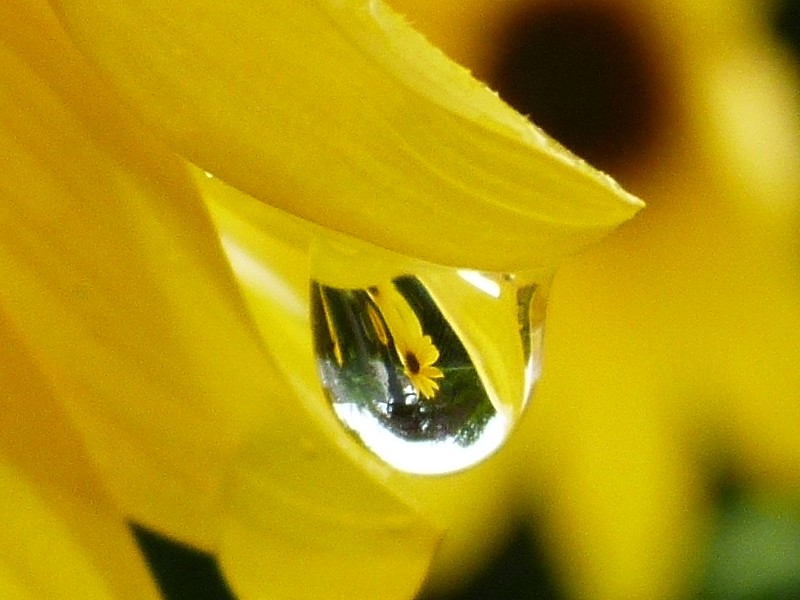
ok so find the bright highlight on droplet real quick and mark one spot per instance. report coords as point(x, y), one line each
point(481, 281)
point(430, 371)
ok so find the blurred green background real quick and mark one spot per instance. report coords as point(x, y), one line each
point(592, 90)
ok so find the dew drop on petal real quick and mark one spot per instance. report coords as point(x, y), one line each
point(429, 369)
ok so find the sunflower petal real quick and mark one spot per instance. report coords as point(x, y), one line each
point(273, 272)
point(340, 113)
point(313, 525)
point(62, 535)
point(40, 556)
point(316, 500)
point(113, 274)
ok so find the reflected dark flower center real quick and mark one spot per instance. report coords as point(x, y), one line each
point(412, 363)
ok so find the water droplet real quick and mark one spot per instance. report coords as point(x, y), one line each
point(429, 367)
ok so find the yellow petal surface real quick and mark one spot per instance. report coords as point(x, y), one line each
point(117, 284)
point(304, 516)
point(337, 111)
point(113, 275)
point(40, 557)
point(62, 535)
point(267, 251)
point(312, 525)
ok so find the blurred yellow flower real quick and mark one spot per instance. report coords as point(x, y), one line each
point(672, 346)
point(162, 374)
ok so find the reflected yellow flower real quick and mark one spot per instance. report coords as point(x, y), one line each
point(415, 349)
point(418, 356)
point(165, 369)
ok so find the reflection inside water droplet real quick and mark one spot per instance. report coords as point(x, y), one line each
point(429, 371)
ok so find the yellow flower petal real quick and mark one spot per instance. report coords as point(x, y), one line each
point(40, 556)
point(338, 112)
point(472, 507)
point(307, 514)
point(274, 275)
point(62, 535)
point(311, 525)
point(113, 275)
point(128, 306)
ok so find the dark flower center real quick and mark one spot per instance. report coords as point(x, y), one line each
point(584, 75)
point(412, 363)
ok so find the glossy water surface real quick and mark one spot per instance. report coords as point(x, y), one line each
point(429, 371)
